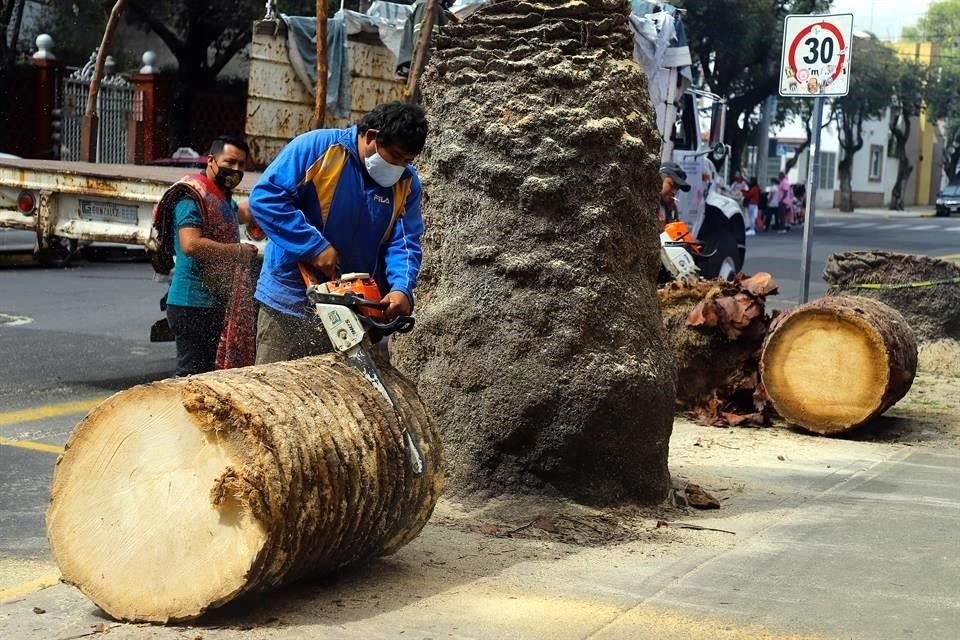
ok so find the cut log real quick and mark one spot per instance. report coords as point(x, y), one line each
point(837, 363)
point(932, 309)
point(181, 495)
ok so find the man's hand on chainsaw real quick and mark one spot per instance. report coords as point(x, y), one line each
point(397, 304)
point(326, 262)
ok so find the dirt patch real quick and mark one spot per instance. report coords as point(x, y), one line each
point(556, 520)
point(539, 345)
point(941, 357)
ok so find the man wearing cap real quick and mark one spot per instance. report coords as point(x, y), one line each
point(674, 179)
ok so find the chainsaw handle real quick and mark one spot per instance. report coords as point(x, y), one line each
point(400, 324)
point(306, 272)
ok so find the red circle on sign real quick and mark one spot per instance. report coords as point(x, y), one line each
point(829, 27)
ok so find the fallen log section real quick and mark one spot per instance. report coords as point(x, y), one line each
point(834, 364)
point(181, 495)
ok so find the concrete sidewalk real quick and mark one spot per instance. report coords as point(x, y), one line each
point(821, 538)
point(881, 212)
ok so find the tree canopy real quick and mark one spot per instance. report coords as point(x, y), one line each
point(736, 45)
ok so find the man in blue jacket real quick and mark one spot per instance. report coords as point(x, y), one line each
point(342, 201)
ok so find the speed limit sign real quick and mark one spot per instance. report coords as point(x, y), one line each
point(816, 55)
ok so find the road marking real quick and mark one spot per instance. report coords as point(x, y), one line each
point(49, 411)
point(859, 225)
point(35, 446)
point(24, 588)
point(10, 320)
point(954, 229)
point(827, 224)
point(925, 227)
point(891, 227)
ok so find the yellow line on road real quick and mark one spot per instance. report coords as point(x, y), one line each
point(24, 588)
point(48, 411)
point(36, 446)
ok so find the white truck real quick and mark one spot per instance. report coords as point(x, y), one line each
point(716, 221)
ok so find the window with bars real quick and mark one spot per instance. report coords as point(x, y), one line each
point(828, 169)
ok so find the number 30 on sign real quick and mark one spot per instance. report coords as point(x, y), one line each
point(816, 55)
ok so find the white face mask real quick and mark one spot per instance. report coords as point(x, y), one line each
point(382, 172)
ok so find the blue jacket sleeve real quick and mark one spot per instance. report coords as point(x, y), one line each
point(274, 201)
point(403, 253)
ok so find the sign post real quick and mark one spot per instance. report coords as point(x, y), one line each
point(815, 64)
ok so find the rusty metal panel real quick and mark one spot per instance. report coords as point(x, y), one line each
point(367, 93)
point(266, 46)
point(371, 61)
point(275, 81)
point(273, 119)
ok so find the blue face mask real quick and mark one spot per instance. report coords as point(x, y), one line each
point(382, 172)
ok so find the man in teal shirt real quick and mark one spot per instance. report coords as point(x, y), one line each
point(203, 223)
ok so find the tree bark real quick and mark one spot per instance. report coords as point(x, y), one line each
point(539, 345)
point(182, 495)
point(844, 177)
point(835, 364)
point(904, 168)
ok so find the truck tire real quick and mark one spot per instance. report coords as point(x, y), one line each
point(58, 255)
point(725, 261)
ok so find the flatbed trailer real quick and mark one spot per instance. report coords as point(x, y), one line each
point(65, 203)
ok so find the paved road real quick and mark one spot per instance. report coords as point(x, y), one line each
point(779, 254)
point(68, 338)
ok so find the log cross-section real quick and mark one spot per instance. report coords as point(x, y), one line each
point(837, 363)
point(181, 495)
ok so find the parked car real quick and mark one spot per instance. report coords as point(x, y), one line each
point(948, 200)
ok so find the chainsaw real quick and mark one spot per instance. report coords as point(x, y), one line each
point(353, 316)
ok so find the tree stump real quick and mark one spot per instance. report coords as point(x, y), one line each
point(932, 310)
point(716, 330)
point(539, 346)
point(181, 495)
point(835, 364)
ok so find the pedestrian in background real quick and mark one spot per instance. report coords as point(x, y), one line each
point(771, 220)
point(786, 202)
point(752, 199)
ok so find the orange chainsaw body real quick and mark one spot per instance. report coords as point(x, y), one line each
point(680, 232)
point(362, 286)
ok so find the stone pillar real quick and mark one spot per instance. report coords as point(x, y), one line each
point(147, 125)
point(46, 141)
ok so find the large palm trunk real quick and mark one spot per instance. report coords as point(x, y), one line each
point(182, 495)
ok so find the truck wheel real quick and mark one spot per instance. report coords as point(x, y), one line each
point(58, 255)
point(725, 261)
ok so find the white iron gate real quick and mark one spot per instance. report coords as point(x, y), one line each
point(114, 107)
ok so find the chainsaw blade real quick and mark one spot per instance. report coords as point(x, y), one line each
point(360, 360)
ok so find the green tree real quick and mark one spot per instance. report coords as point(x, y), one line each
point(910, 82)
point(736, 44)
point(941, 26)
point(204, 37)
point(868, 99)
point(11, 17)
